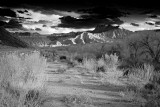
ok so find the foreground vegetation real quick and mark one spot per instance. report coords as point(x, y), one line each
point(22, 79)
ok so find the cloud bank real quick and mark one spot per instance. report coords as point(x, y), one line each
point(49, 20)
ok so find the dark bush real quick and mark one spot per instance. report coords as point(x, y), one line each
point(149, 86)
point(126, 72)
point(100, 69)
point(32, 95)
point(80, 60)
point(31, 98)
point(70, 64)
point(63, 58)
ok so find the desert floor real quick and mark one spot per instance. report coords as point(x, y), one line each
point(66, 87)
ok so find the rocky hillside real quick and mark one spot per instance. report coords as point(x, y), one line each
point(7, 39)
point(101, 34)
point(36, 41)
point(89, 37)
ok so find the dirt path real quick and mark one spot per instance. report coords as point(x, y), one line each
point(74, 82)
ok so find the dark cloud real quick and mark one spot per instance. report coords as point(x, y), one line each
point(28, 18)
point(104, 28)
point(82, 3)
point(2, 23)
point(47, 4)
point(151, 13)
point(153, 16)
point(7, 12)
point(25, 10)
point(92, 13)
point(19, 11)
point(44, 25)
point(94, 16)
point(87, 22)
point(149, 23)
point(102, 12)
point(38, 29)
point(157, 23)
point(134, 24)
point(4, 18)
point(22, 18)
point(13, 24)
point(147, 11)
point(22, 11)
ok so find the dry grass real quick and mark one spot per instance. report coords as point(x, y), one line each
point(145, 88)
point(18, 98)
point(101, 62)
point(90, 65)
point(111, 61)
point(23, 70)
point(104, 68)
point(112, 74)
point(22, 76)
point(142, 75)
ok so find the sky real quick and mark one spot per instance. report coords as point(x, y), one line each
point(64, 16)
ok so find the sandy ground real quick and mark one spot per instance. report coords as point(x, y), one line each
point(75, 82)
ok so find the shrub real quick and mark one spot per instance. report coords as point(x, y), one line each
point(19, 98)
point(23, 70)
point(108, 66)
point(20, 73)
point(107, 63)
point(101, 62)
point(101, 65)
point(90, 65)
point(143, 80)
point(142, 75)
point(49, 55)
point(111, 61)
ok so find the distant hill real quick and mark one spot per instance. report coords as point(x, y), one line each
point(109, 34)
point(101, 34)
point(36, 41)
point(7, 39)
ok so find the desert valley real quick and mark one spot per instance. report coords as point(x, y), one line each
point(106, 66)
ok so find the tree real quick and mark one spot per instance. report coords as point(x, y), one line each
point(132, 48)
point(150, 44)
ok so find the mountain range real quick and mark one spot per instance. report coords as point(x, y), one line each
point(101, 34)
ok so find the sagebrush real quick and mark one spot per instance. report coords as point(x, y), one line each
point(21, 73)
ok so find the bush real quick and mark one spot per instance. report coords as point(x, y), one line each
point(90, 65)
point(101, 62)
point(142, 75)
point(104, 68)
point(145, 82)
point(17, 98)
point(49, 55)
point(23, 70)
point(111, 61)
point(20, 73)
